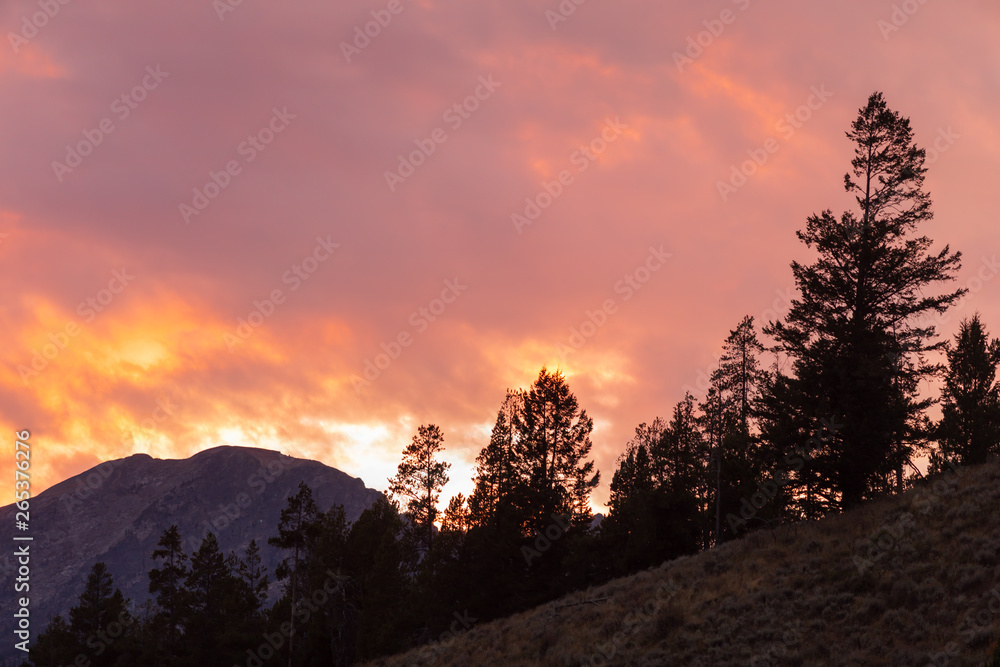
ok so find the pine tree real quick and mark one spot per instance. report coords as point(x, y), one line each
point(221, 609)
point(330, 615)
point(657, 494)
point(296, 527)
point(57, 645)
point(254, 576)
point(854, 333)
point(456, 516)
point(96, 629)
point(969, 430)
point(100, 617)
point(420, 478)
point(553, 434)
point(375, 556)
point(172, 598)
point(681, 454)
point(728, 423)
point(498, 468)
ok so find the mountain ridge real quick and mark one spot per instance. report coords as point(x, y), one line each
point(117, 510)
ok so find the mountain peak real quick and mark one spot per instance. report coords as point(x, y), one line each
point(116, 512)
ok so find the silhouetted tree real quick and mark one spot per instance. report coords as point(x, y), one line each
point(222, 609)
point(553, 434)
point(498, 468)
point(166, 583)
point(658, 494)
point(56, 645)
point(296, 527)
point(736, 465)
point(375, 556)
point(94, 634)
point(853, 333)
point(420, 478)
point(254, 575)
point(969, 430)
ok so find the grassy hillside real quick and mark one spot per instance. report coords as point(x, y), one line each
point(911, 580)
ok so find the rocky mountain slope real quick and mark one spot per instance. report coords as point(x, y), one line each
point(117, 511)
point(910, 580)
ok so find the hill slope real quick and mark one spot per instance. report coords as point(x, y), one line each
point(117, 511)
point(911, 580)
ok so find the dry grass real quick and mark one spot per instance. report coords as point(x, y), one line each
point(898, 582)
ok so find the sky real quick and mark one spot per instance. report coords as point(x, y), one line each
point(314, 226)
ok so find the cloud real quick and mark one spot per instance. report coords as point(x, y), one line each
point(290, 385)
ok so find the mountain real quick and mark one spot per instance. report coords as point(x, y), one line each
point(912, 579)
point(117, 511)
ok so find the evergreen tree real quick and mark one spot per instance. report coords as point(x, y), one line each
point(456, 516)
point(375, 556)
point(498, 468)
point(853, 333)
point(166, 583)
point(222, 609)
point(296, 527)
point(254, 576)
point(735, 464)
point(969, 430)
point(419, 479)
point(57, 645)
point(94, 635)
point(681, 454)
point(101, 617)
point(553, 434)
point(325, 632)
point(657, 504)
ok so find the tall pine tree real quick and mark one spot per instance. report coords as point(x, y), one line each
point(167, 584)
point(853, 333)
point(419, 479)
point(296, 528)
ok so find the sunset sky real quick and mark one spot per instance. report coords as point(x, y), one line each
point(214, 217)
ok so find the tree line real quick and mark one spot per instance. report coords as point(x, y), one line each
point(836, 419)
